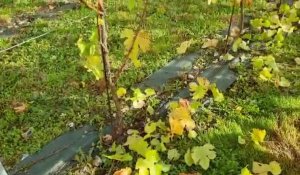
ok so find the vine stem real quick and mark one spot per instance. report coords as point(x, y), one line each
point(126, 57)
point(229, 27)
point(242, 16)
point(118, 122)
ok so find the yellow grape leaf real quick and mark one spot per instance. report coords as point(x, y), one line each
point(121, 92)
point(275, 168)
point(265, 74)
point(297, 4)
point(141, 42)
point(124, 171)
point(184, 46)
point(245, 171)
point(94, 64)
point(260, 168)
point(210, 43)
point(284, 82)
point(258, 135)
point(211, 2)
point(179, 119)
point(297, 60)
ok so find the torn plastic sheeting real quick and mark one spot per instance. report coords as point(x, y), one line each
point(2, 170)
point(174, 69)
point(58, 153)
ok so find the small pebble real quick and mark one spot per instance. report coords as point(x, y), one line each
point(97, 161)
point(191, 77)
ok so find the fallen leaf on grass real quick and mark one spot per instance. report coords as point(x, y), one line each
point(20, 107)
point(210, 43)
point(297, 60)
point(184, 46)
point(124, 171)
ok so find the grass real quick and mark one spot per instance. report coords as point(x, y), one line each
point(46, 75)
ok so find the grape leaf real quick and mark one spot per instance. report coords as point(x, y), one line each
point(192, 134)
point(297, 60)
point(137, 143)
point(94, 64)
point(297, 4)
point(184, 46)
point(284, 82)
point(258, 63)
point(275, 168)
point(199, 90)
point(265, 74)
point(173, 154)
point(151, 165)
point(179, 119)
point(239, 43)
point(141, 42)
point(188, 158)
point(218, 96)
point(211, 2)
point(123, 171)
point(241, 140)
point(121, 92)
point(258, 135)
point(120, 157)
point(203, 154)
point(210, 43)
point(245, 171)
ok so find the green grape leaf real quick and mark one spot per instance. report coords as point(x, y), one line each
point(203, 154)
point(218, 96)
point(138, 144)
point(256, 23)
point(239, 43)
point(94, 64)
point(199, 90)
point(151, 165)
point(258, 63)
point(241, 140)
point(192, 134)
point(149, 92)
point(284, 8)
point(173, 154)
point(284, 82)
point(271, 63)
point(120, 157)
point(188, 158)
point(150, 127)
